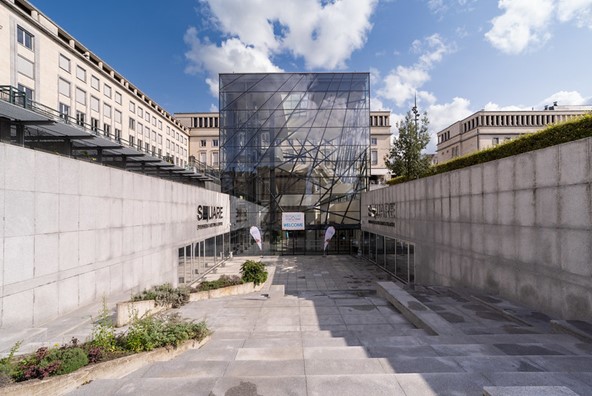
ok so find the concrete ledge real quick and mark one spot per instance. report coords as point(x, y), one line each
point(528, 391)
point(414, 311)
point(112, 369)
point(245, 288)
point(126, 311)
point(563, 326)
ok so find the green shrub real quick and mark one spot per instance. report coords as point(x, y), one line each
point(103, 333)
point(223, 281)
point(152, 332)
point(552, 135)
point(165, 295)
point(254, 271)
point(71, 359)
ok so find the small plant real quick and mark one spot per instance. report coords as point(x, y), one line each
point(8, 368)
point(103, 334)
point(254, 271)
point(152, 332)
point(223, 281)
point(164, 295)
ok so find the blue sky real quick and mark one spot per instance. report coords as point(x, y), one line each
point(460, 56)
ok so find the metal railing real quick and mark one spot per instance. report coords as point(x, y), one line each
point(15, 96)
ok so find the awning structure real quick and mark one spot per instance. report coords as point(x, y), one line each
point(26, 123)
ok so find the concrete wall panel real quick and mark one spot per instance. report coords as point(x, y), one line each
point(520, 227)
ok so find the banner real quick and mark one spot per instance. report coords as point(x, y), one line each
point(256, 236)
point(293, 221)
point(328, 235)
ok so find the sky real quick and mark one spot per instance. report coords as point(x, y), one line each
point(455, 56)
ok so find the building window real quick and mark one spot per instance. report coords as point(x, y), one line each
point(140, 129)
point(64, 88)
point(147, 147)
point(374, 141)
point(106, 110)
point(131, 141)
point(160, 125)
point(202, 143)
point(25, 67)
point(374, 157)
point(153, 121)
point(94, 124)
point(64, 111)
point(215, 143)
point(81, 96)
point(117, 97)
point(147, 117)
point(64, 63)
point(27, 91)
point(106, 130)
point(140, 112)
point(140, 144)
point(94, 104)
point(95, 83)
point(132, 107)
point(495, 141)
point(118, 134)
point(80, 73)
point(107, 90)
point(25, 38)
point(132, 124)
point(80, 118)
point(215, 157)
point(118, 116)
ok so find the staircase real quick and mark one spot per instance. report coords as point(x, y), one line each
point(353, 342)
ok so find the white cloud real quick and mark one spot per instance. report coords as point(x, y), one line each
point(490, 106)
point(580, 10)
point(324, 33)
point(232, 56)
point(566, 98)
point(524, 23)
point(402, 83)
point(443, 115)
point(213, 108)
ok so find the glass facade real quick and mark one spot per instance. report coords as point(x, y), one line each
point(395, 256)
point(297, 142)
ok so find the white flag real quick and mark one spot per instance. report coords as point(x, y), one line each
point(256, 236)
point(328, 235)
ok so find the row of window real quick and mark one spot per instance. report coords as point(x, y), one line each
point(204, 142)
point(515, 120)
point(205, 122)
point(379, 120)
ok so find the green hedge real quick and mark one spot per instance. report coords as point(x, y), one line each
point(550, 136)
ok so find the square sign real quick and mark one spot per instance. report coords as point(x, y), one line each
point(293, 221)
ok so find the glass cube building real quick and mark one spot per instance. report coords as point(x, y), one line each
point(296, 142)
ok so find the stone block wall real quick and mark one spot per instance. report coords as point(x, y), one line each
point(519, 226)
point(72, 232)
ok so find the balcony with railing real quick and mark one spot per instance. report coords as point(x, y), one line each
point(31, 124)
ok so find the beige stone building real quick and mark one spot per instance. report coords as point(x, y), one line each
point(204, 141)
point(59, 74)
point(485, 129)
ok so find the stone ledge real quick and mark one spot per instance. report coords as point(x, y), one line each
point(244, 288)
point(111, 369)
point(125, 311)
point(414, 311)
point(528, 391)
point(563, 326)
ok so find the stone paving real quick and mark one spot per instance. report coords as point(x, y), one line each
point(319, 328)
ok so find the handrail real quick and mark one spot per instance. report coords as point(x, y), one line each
point(14, 96)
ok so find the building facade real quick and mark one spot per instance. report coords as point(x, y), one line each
point(58, 74)
point(204, 141)
point(485, 129)
point(297, 143)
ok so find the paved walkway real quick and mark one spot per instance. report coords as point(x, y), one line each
point(322, 330)
point(319, 328)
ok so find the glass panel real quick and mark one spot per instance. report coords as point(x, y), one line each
point(295, 142)
point(391, 255)
point(411, 263)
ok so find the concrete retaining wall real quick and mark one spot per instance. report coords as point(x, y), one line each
point(73, 231)
point(520, 227)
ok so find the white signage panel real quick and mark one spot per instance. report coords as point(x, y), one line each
point(293, 221)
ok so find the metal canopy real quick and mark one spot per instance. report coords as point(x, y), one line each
point(19, 113)
point(64, 130)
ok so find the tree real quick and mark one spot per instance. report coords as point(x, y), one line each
point(405, 158)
